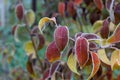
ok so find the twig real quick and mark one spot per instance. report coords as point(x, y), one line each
point(27, 28)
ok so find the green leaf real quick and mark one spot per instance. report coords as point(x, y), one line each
point(21, 34)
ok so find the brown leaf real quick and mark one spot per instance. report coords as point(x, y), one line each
point(81, 51)
point(30, 68)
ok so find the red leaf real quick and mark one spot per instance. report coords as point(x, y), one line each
point(81, 51)
point(61, 37)
point(96, 64)
point(19, 11)
point(61, 8)
point(52, 52)
point(77, 2)
point(118, 77)
point(99, 4)
point(104, 32)
point(70, 8)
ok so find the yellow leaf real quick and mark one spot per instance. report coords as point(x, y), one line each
point(29, 49)
point(103, 57)
point(29, 17)
point(45, 20)
point(72, 64)
point(115, 56)
point(115, 36)
point(97, 25)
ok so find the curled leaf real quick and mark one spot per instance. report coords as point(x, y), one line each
point(103, 57)
point(61, 37)
point(81, 51)
point(96, 64)
point(115, 59)
point(30, 17)
point(45, 20)
point(52, 52)
point(115, 36)
point(29, 49)
point(72, 63)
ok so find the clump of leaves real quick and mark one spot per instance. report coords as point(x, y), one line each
point(67, 56)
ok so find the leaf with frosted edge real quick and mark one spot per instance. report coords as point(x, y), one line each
point(103, 57)
point(29, 49)
point(81, 51)
point(115, 36)
point(72, 64)
point(29, 17)
point(61, 35)
point(52, 52)
point(90, 36)
point(96, 64)
point(115, 62)
point(99, 4)
point(21, 34)
point(45, 20)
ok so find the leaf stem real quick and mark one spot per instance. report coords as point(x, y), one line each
point(27, 28)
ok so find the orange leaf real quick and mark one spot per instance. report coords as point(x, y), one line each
point(77, 2)
point(81, 51)
point(115, 36)
point(99, 4)
point(61, 8)
point(96, 64)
